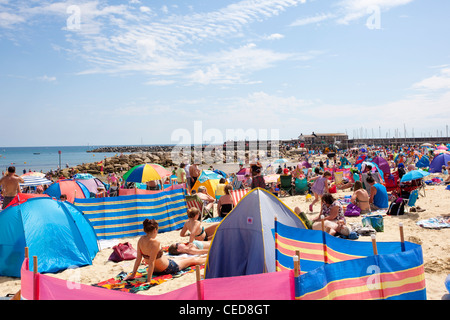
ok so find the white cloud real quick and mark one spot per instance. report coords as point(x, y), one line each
point(311, 20)
point(46, 78)
point(436, 82)
point(275, 36)
point(8, 20)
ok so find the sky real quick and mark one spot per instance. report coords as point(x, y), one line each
point(131, 72)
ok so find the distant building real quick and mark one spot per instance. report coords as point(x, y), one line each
point(322, 139)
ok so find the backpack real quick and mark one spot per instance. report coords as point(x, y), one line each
point(396, 208)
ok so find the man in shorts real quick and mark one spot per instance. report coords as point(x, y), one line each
point(10, 186)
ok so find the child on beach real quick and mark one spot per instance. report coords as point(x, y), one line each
point(319, 187)
point(195, 228)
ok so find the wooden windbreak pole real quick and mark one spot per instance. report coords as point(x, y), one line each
point(27, 255)
point(35, 279)
point(324, 241)
point(276, 241)
point(199, 283)
point(297, 274)
point(375, 252)
point(402, 236)
point(374, 244)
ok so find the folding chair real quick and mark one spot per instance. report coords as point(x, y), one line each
point(237, 195)
point(286, 185)
point(301, 186)
point(194, 201)
point(411, 201)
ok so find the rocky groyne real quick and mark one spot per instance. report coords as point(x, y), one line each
point(129, 156)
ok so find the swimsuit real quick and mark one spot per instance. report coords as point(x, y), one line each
point(198, 244)
point(206, 236)
point(172, 268)
point(6, 201)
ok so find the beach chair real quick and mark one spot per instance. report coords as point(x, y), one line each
point(286, 185)
point(301, 186)
point(392, 182)
point(194, 201)
point(237, 195)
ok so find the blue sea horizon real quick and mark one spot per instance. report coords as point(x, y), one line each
point(46, 158)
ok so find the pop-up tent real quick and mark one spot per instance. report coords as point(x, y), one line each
point(71, 188)
point(423, 162)
point(54, 231)
point(210, 180)
point(439, 161)
point(92, 184)
point(244, 242)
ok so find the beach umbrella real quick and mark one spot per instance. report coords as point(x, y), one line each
point(209, 179)
point(281, 160)
point(146, 172)
point(33, 174)
point(414, 175)
point(244, 171)
point(440, 151)
point(442, 147)
point(426, 145)
point(34, 181)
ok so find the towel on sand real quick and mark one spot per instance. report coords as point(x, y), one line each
point(139, 282)
point(435, 223)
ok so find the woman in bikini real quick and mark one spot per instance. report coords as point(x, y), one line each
point(195, 228)
point(225, 204)
point(360, 197)
point(149, 249)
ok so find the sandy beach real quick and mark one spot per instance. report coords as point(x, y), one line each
point(435, 245)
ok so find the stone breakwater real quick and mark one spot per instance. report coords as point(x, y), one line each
point(130, 156)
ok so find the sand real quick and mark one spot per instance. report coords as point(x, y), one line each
point(435, 245)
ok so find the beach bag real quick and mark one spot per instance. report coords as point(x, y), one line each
point(375, 222)
point(396, 208)
point(352, 211)
point(332, 189)
point(123, 251)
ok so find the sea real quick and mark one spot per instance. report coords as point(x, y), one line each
point(48, 158)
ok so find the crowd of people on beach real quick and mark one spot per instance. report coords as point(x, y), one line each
point(369, 195)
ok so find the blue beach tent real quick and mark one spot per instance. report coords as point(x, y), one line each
point(244, 242)
point(423, 162)
point(54, 231)
point(439, 161)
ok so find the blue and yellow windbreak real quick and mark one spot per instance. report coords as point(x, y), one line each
point(352, 270)
point(118, 217)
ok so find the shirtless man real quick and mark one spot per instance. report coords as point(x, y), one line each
point(10, 186)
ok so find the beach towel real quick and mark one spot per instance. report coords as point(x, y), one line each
point(139, 282)
point(435, 223)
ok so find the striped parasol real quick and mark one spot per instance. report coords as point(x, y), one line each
point(146, 172)
point(31, 180)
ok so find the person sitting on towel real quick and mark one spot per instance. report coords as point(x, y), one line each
point(195, 228)
point(149, 249)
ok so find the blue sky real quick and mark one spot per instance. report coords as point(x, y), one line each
point(129, 72)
